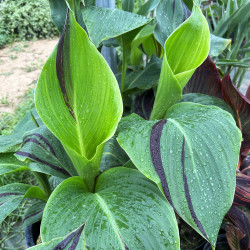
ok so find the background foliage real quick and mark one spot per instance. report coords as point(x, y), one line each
point(25, 20)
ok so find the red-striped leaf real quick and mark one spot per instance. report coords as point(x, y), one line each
point(241, 105)
point(241, 221)
point(234, 236)
point(242, 191)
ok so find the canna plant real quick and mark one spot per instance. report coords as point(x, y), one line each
point(179, 162)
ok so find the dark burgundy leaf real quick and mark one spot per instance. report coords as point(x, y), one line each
point(241, 221)
point(245, 163)
point(234, 235)
point(205, 80)
point(246, 171)
point(248, 93)
point(241, 106)
point(144, 104)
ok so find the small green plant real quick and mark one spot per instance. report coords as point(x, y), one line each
point(113, 182)
point(6, 74)
point(13, 57)
point(17, 48)
point(4, 100)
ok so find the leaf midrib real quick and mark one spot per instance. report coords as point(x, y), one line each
point(110, 216)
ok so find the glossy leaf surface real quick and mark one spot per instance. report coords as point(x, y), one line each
point(103, 23)
point(185, 50)
point(192, 155)
point(207, 100)
point(78, 98)
point(127, 211)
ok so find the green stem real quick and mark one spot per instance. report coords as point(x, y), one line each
point(124, 67)
point(42, 179)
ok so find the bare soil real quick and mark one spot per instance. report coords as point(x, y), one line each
point(20, 66)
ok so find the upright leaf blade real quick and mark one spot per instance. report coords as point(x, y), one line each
point(128, 5)
point(103, 23)
point(148, 6)
point(192, 156)
point(78, 98)
point(185, 50)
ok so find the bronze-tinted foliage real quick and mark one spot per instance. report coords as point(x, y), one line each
point(241, 221)
point(242, 191)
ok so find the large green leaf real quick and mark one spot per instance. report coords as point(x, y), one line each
point(10, 197)
point(207, 100)
point(103, 23)
point(185, 50)
point(9, 163)
point(78, 98)
point(127, 211)
point(192, 155)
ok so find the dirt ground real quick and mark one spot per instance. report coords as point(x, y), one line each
point(20, 66)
